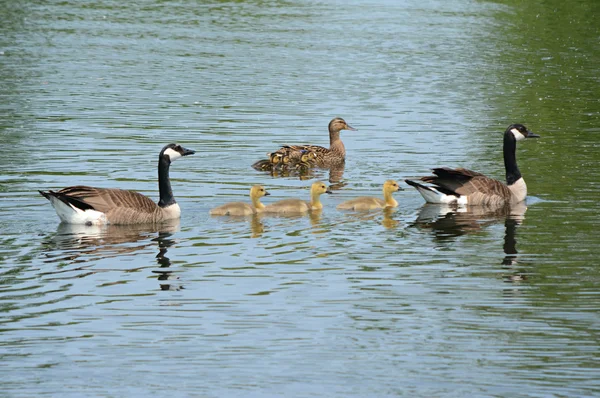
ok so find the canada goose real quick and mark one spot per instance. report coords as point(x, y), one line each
point(95, 206)
point(466, 187)
point(325, 157)
point(295, 206)
point(241, 208)
point(369, 202)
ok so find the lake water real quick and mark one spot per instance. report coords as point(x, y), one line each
point(419, 301)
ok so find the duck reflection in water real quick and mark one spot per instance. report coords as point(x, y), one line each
point(448, 222)
point(80, 244)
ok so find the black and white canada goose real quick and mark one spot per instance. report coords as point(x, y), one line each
point(95, 206)
point(370, 203)
point(465, 187)
point(241, 208)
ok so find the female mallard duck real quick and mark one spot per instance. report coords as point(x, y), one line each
point(241, 208)
point(325, 157)
point(466, 187)
point(96, 206)
point(295, 206)
point(369, 202)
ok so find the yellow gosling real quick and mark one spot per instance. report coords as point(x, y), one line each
point(241, 208)
point(295, 206)
point(370, 203)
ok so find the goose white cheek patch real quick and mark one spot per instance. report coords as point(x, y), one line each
point(518, 135)
point(173, 155)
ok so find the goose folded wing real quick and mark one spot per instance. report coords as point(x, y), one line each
point(105, 200)
point(465, 182)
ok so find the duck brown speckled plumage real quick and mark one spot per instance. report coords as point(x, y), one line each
point(319, 156)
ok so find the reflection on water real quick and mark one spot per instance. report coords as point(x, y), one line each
point(369, 215)
point(82, 245)
point(336, 174)
point(447, 222)
point(256, 226)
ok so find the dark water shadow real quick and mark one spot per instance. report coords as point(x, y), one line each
point(76, 248)
point(447, 222)
point(335, 178)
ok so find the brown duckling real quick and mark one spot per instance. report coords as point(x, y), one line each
point(369, 202)
point(296, 206)
point(241, 208)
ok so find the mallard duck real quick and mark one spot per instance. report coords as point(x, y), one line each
point(324, 157)
point(295, 206)
point(241, 208)
point(96, 206)
point(465, 187)
point(369, 202)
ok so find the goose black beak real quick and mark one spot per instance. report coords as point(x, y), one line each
point(532, 135)
point(187, 152)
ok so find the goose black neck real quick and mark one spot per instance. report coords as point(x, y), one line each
point(510, 158)
point(164, 182)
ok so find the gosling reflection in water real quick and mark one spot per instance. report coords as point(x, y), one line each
point(80, 244)
point(447, 222)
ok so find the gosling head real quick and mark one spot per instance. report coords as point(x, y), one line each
point(338, 124)
point(319, 188)
point(391, 186)
point(520, 132)
point(258, 191)
point(172, 152)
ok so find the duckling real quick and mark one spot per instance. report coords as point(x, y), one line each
point(369, 202)
point(295, 206)
point(268, 164)
point(241, 208)
point(263, 165)
point(306, 162)
point(283, 164)
point(325, 157)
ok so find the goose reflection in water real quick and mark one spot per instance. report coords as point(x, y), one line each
point(80, 244)
point(447, 222)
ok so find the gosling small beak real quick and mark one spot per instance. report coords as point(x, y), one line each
point(532, 135)
point(329, 191)
point(187, 152)
point(267, 193)
point(348, 127)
